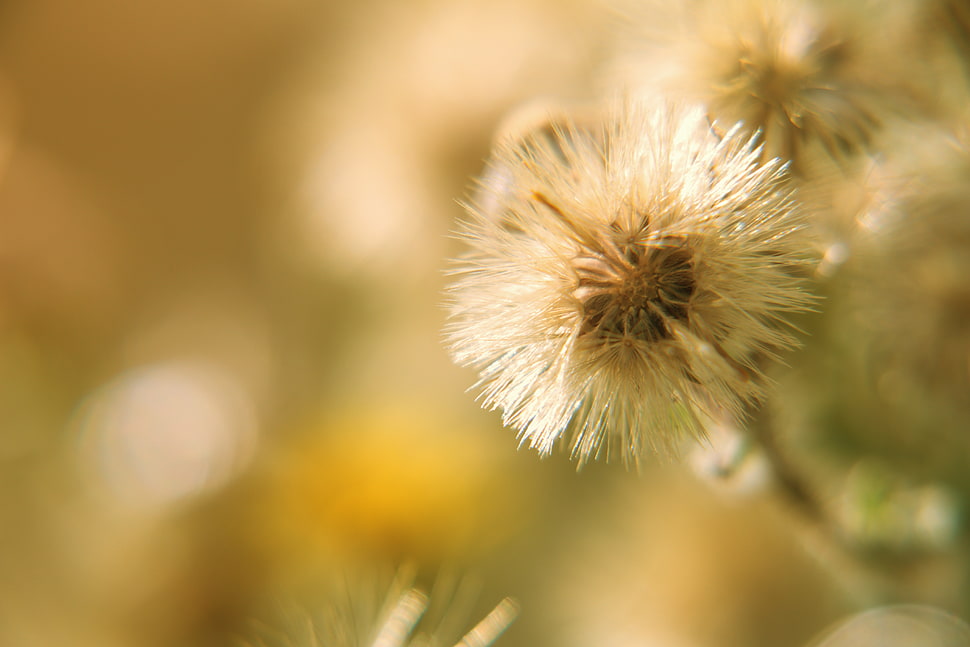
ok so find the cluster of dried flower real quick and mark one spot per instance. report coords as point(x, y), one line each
point(630, 276)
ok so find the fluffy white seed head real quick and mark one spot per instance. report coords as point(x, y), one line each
point(624, 282)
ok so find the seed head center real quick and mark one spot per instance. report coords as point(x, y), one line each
point(634, 291)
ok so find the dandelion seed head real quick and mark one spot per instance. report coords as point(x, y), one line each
point(806, 75)
point(626, 280)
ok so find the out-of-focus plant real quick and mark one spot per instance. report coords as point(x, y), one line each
point(360, 610)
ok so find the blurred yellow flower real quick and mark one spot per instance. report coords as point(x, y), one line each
point(398, 482)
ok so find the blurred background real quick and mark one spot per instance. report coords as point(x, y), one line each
point(225, 410)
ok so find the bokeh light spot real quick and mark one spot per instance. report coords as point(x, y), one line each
point(163, 432)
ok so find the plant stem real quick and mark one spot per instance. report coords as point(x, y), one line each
point(788, 478)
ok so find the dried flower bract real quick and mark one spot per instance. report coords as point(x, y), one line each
point(626, 281)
